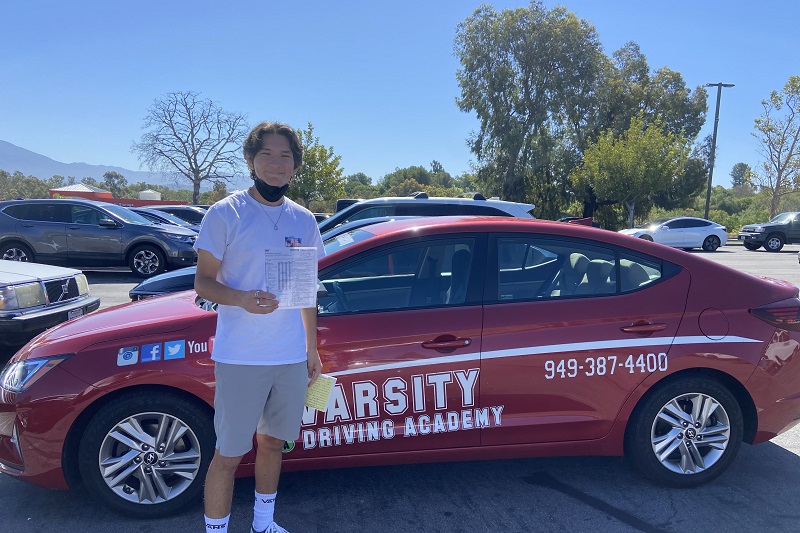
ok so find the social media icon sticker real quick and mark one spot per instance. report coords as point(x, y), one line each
point(151, 352)
point(174, 350)
point(128, 356)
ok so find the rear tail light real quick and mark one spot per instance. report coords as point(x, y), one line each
point(784, 314)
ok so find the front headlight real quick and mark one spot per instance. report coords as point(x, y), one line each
point(19, 376)
point(759, 229)
point(16, 297)
point(185, 239)
point(83, 285)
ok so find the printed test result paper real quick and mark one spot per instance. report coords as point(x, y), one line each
point(291, 275)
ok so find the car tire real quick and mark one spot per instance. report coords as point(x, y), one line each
point(773, 243)
point(751, 245)
point(147, 261)
point(646, 238)
point(711, 243)
point(16, 251)
point(125, 453)
point(672, 439)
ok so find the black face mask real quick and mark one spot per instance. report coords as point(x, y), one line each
point(268, 192)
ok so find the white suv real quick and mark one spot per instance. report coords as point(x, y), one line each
point(421, 205)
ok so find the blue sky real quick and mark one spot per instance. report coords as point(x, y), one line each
point(376, 79)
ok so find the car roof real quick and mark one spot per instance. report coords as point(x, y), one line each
point(387, 232)
point(65, 200)
point(442, 200)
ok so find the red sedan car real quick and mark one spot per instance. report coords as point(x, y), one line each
point(451, 339)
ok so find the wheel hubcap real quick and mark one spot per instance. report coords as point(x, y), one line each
point(690, 433)
point(15, 254)
point(149, 458)
point(146, 261)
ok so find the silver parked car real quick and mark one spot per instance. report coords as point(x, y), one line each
point(35, 297)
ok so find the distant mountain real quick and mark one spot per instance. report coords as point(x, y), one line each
point(13, 158)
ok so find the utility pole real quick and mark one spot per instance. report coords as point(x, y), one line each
point(719, 87)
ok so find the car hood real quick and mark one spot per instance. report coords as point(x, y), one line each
point(17, 271)
point(633, 231)
point(760, 225)
point(170, 313)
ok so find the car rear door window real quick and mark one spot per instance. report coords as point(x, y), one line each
point(542, 268)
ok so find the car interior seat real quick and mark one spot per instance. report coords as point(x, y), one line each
point(631, 275)
point(596, 280)
point(459, 276)
point(571, 274)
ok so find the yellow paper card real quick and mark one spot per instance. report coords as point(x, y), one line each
point(317, 394)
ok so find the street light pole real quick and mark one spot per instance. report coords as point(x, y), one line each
point(719, 87)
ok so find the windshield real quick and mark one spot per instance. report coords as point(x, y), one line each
point(126, 215)
point(783, 218)
point(171, 218)
point(654, 222)
point(344, 240)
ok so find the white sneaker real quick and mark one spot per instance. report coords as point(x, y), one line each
point(272, 528)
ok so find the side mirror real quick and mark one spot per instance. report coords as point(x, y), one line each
point(107, 223)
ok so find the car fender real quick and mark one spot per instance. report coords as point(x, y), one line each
point(696, 363)
point(144, 239)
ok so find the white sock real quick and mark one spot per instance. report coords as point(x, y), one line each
point(217, 525)
point(263, 511)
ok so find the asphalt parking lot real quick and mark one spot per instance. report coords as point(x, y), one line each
point(758, 493)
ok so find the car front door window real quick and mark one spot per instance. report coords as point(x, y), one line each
point(425, 274)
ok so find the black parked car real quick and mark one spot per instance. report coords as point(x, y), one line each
point(772, 235)
point(86, 233)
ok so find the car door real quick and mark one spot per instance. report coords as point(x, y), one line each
point(43, 226)
point(794, 229)
point(90, 242)
point(671, 233)
point(400, 329)
point(696, 231)
point(560, 356)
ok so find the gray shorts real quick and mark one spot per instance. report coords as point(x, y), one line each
point(267, 399)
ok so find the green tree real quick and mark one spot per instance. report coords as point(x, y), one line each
point(741, 174)
point(778, 132)
point(631, 167)
point(217, 193)
point(544, 91)
point(359, 186)
point(192, 139)
point(527, 74)
point(91, 182)
point(394, 180)
point(56, 181)
point(18, 185)
point(115, 183)
point(320, 177)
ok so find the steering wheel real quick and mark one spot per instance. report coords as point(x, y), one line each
point(337, 289)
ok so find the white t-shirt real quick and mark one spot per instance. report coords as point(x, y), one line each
point(236, 230)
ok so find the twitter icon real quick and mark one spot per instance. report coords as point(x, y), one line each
point(174, 350)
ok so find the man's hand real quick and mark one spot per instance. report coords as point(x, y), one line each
point(258, 302)
point(314, 366)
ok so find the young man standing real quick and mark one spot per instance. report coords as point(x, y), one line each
point(264, 355)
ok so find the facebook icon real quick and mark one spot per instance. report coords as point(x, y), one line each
point(151, 352)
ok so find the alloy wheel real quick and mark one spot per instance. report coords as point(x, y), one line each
point(149, 458)
point(690, 433)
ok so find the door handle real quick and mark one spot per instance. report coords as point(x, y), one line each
point(446, 345)
point(643, 328)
